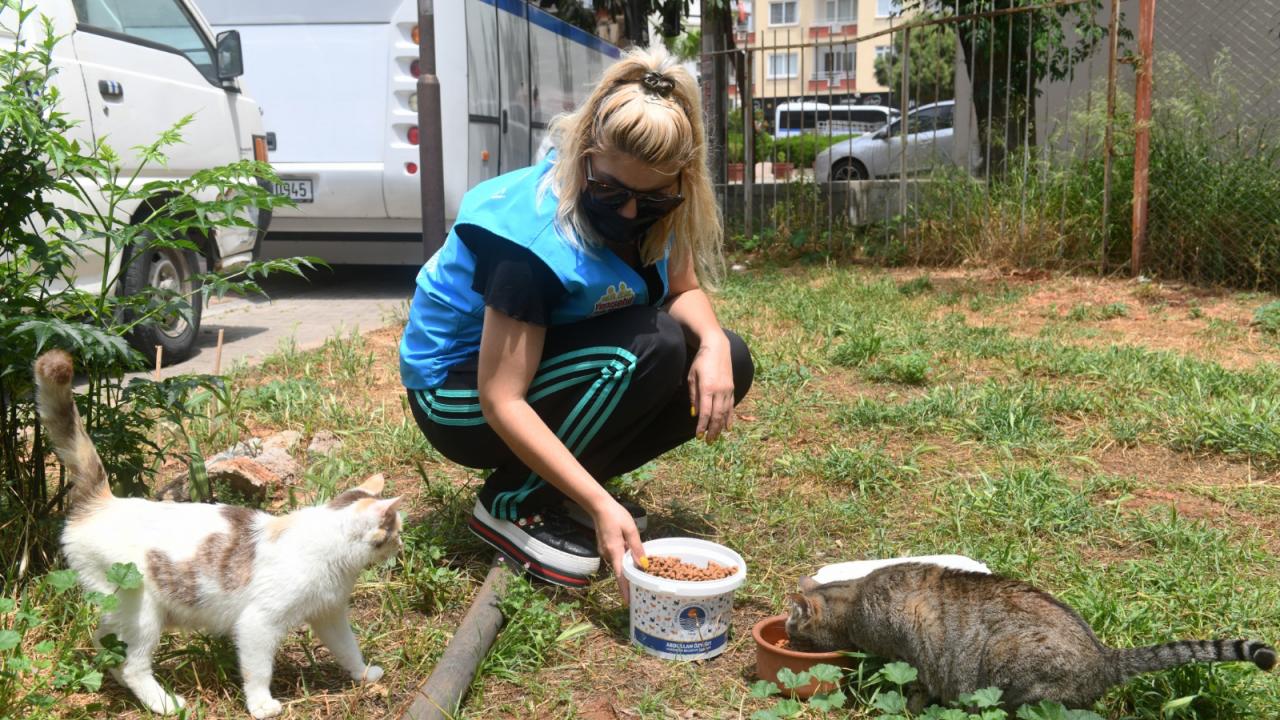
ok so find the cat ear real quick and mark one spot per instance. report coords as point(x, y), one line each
point(390, 506)
point(807, 583)
point(373, 484)
point(804, 607)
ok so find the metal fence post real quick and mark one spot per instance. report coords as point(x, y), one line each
point(906, 93)
point(748, 144)
point(1142, 131)
point(430, 149)
point(1108, 143)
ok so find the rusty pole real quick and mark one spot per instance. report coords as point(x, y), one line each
point(1108, 143)
point(430, 148)
point(1142, 131)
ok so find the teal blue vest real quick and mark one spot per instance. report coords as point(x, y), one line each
point(446, 315)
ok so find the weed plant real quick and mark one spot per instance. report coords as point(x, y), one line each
point(60, 208)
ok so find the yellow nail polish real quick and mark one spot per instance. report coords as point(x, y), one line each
point(693, 411)
point(643, 563)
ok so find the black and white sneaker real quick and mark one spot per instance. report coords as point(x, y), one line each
point(546, 544)
point(582, 517)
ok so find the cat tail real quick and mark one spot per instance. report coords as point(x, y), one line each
point(1131, 662)
point(61, 420)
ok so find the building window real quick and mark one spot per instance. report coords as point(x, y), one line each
point(841, 11)
point(884, 51)
point(833, 64)
point(887, 8)
point(784, 65)
point(783, 12)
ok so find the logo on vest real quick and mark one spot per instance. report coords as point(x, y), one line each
point(614, 298)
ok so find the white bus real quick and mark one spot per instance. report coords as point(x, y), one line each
point(337, 81)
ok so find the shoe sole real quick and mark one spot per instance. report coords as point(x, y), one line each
point(583, 518)
point(554, 566)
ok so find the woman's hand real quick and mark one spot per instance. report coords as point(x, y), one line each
point(711, 387)
point(616, 533)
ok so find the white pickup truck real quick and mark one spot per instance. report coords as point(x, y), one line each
point(127, 70)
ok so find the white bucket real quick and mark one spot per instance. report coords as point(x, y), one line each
point(683, 619)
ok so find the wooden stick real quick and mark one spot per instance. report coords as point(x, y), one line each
point(159, 357)
point(439, 696)
point(217, 355)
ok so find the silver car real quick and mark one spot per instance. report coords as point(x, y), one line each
point(879, 154)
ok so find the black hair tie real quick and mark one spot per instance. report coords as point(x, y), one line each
point(658, 84)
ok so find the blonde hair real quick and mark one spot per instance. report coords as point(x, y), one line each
point(660, 127)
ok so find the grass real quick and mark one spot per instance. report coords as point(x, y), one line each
point(891, 415)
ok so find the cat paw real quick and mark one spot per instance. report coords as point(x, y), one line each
point(267, 708)
point(163, 703)
point(371, 674)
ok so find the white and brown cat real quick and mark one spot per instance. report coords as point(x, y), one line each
point(217, 568)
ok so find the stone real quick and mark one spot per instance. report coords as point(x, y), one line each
point(245, 476)
point(286, 440)
point(279, 461)
point(323, 443)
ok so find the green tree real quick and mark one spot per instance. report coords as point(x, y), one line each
point(1007, 56)
point(931, 73)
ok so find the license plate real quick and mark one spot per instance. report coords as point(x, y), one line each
point(302, 191)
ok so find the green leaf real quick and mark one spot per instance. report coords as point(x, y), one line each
point(769, 714)
point(61, 580)
point(764, 689)
point(825, 673)
point(107, 603)
point(1172, 707)
point(112, 652)
point(899, 673)
point(9, 640)
point(125, 576)
point(572, 632)
point(789, 707)
point(890, 702)
point(792, 680)
point(984, 698)
point(91, 681)
point(6, 605)
point(44, 647)
point(828, 701)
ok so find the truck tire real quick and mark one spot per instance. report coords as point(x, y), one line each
point(170, 269)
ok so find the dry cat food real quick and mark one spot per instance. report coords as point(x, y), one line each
point(673, 568)
point(783, 643)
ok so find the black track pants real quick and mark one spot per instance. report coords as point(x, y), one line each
point(612, 388)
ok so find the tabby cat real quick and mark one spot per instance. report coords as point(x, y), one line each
point(964, 631)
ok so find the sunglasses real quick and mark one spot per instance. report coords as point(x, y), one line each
point(615, 196)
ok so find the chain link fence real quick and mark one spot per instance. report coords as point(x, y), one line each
point(992, 140)
point(1215, 143)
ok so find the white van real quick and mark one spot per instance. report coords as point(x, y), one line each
point(338, 84)
point(127, 70)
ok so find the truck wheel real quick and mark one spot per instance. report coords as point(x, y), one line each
point(171, 269)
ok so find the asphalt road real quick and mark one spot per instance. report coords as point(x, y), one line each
point(336, 300)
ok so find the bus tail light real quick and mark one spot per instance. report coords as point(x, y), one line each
point(413, 135)
point(260, 148)
point(413, 102)
point(415, 69)
point(415, 34)
point(411, 168)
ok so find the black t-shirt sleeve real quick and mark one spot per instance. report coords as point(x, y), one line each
point(513, 280)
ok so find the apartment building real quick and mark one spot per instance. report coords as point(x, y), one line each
point(798, 48)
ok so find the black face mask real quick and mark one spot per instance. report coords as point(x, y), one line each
point(614, 228)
